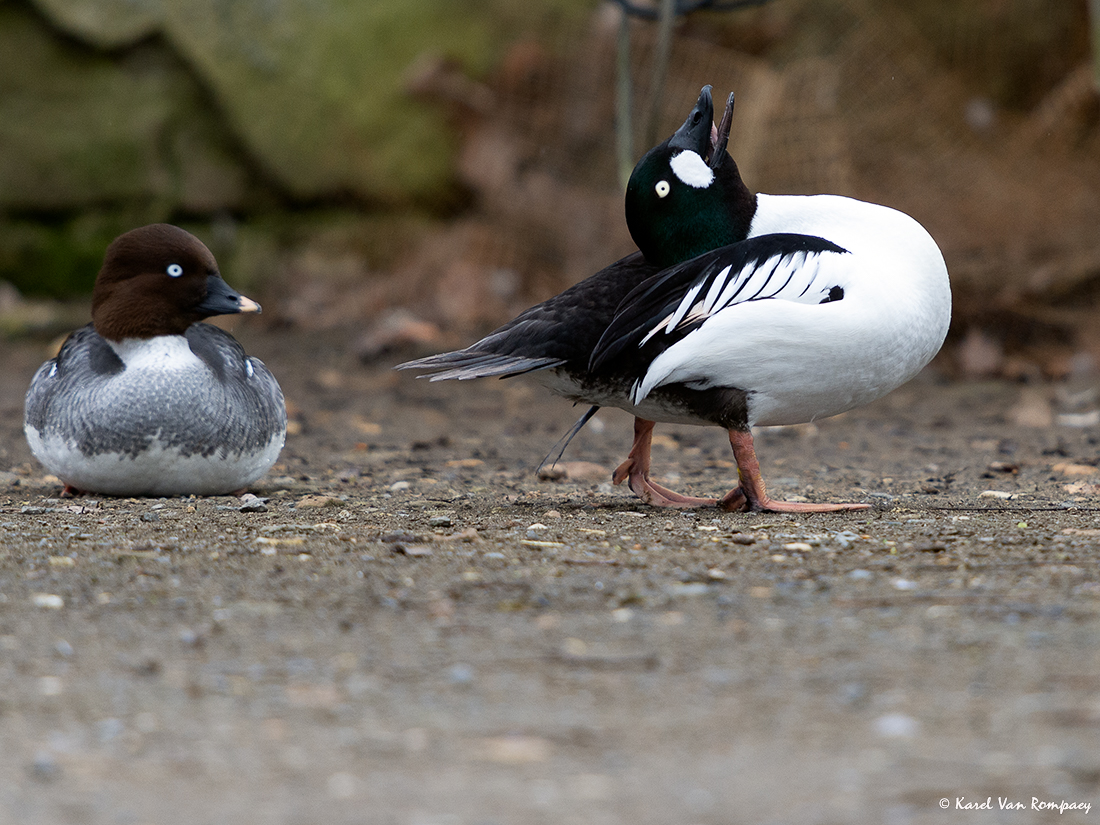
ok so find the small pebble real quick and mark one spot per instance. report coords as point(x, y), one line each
point(515, 749)
point(904, 584)
point(189, 637)
point(254, 504)
point(998, 494)
point(1085, 419)
point(852, 693)
point(50, 686)
point(460, 673)
point(860, 575)
point(416, 550)
point(689, 588)
point(50, 601)
point(896, 726)
point(108, 729)
point(327, 501)
point(845, 538)
point(44, 768)
point(440, 521)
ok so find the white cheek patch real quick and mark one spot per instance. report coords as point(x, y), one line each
point(692, 170)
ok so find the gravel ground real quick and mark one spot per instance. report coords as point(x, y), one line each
point(414, 629)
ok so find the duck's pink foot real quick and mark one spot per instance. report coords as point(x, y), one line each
point(751, 495)
point(635, 471)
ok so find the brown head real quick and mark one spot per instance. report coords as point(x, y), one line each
point(158, 280)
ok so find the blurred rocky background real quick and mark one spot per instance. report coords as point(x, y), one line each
point(416, 171)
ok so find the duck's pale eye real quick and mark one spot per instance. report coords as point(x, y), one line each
point(662, 188)
point(174, 270)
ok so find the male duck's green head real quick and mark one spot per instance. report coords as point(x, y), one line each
point(685, 196)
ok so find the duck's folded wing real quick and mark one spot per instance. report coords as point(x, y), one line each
point(669, 306)
point(559, 332)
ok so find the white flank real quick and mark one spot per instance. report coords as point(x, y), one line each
point(692, 170)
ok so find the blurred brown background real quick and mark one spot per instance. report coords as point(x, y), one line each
point(418, 172)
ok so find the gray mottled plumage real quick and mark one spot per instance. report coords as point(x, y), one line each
point(102, 409)
point(125, 430)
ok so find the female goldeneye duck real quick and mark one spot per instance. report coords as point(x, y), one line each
point(741, 309)
point(146, 400)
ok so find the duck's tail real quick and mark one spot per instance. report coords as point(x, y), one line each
point(466, 364)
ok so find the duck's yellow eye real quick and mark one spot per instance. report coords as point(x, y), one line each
point(662, 188)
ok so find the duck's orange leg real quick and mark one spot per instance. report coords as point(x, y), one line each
point(635, 471)
point(751, 495)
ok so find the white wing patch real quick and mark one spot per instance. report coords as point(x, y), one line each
point(692, 169)
point(793, 277)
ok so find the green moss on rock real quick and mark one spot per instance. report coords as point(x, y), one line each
point(314, 92)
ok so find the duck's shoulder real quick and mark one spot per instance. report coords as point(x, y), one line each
point(849, 221)
point(219, 350)
point(86, 352)
point(242, 375)
point(85, 363)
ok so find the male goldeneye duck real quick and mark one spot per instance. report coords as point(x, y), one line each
point(741, 309)
point(146, 400)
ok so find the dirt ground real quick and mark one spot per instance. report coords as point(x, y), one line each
point(414, 629)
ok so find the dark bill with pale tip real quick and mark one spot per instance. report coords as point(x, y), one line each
point(221, 299)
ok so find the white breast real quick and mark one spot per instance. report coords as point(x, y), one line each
point(159, 354)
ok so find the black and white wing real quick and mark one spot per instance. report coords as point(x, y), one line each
point(674, 303)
